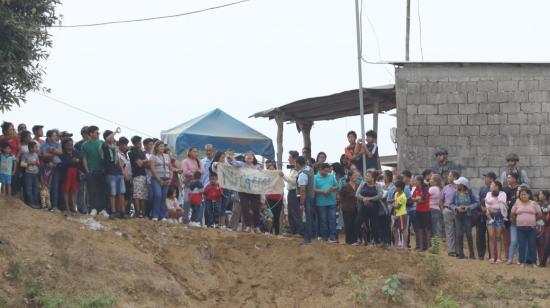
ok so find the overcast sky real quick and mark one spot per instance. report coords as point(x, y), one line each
point(257, 55)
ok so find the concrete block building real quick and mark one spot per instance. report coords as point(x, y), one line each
point(480, 112)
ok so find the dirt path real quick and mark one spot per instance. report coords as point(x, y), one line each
point(151, 264)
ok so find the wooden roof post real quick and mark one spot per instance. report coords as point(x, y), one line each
point(375, 111)
point(280, 126)
point(305, 127)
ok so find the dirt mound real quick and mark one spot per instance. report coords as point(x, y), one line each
point(48, 259)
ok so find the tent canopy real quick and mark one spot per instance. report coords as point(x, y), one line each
point(222, 131)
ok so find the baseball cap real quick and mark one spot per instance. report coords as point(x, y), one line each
point(65, 134)
point(36, 128)
point(462, 181)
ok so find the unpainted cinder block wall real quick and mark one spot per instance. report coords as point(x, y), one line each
point(480, 112)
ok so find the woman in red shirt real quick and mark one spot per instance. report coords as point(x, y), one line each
point(421, 196)
point(274, 202)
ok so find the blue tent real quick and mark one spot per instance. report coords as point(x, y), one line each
point(222, 131)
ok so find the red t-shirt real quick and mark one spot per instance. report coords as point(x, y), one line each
point(213, 192)
point(274, 197)
point(422, 207)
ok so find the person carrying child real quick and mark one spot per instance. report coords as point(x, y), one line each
point(213, 198)
point(31, 177)
point(8, 166)
point(195, 198)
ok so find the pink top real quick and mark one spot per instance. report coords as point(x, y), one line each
point(189, 167)
point(526, 213)
point(435, 197)
point(497, 203)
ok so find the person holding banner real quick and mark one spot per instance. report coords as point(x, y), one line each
point(250, 203)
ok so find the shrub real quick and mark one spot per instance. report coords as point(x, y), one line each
point(392, 290)
point(360, 294)
point(434, 265)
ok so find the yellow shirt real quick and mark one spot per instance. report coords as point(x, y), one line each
point(400, 200)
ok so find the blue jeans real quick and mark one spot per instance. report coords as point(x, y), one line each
point(513, 242)
point(212, 212)
point(159, 199)
point(54, 187)
point(81, 204)
point(527, 238)
point(308, 225)
point(327, 217)
point(32, 188)
point(195, 213)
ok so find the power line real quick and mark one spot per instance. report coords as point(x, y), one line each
point(93, 114)
point(149, 18)
point(420, 29)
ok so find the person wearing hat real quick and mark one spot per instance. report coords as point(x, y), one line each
point(38, 132)
point(64, 135)
point(325, 188)
point(481, 222)
point(444, 165)
point(462, 204)
point(512, 160)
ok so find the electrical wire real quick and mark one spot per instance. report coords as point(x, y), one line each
point(149, 18)
point(420, 29)
point(93, 114)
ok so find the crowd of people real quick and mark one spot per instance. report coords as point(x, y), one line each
point(141, 178)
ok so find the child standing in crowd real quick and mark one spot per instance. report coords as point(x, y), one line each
point(31, 177)
point(495, 204)
point(421, 196)
point(175, 212)
point(46, 175)
point(401, 220)
point(266, 218)
point(69, 175)
point(195, 198)
point(8, 166)
point(213, 198)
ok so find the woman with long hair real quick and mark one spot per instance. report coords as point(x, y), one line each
point(189, 166)
point(250, 203)
point(497, 213)
point(348, 205)
point(161, 170)
point(436, 185)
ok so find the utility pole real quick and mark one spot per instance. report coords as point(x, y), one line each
point(360, 70)
point(408, 30)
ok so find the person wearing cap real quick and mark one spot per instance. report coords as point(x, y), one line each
point(52, 149)
point(512, 161)
point(325, 188)
point(443, 165)
point(38, 132)
point(65, 135)
point(481, 223)
point(463, 203)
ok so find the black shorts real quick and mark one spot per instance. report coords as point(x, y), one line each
point(424, 220)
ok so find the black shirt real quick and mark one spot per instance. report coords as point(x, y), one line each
point(111, 166)
point(511, 197)
point(134, 155)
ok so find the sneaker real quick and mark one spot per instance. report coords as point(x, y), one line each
point(305, 243)
point(247, 230)
point(215, 226)
point(93, 212)
point(257, 231)
point(104, 213)
point(333, 241)
point(164, 219)
point(155, 219)
point(319, 238)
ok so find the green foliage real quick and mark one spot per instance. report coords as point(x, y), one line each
point(14, 270)
point(99, 301)
point(39, 296)
point(434, 264)
point(24, 40)
point(360, 294)
point(443, 301)
point(392, 290)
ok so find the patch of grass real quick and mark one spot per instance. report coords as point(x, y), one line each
point(392, 290)
point(98, 301)
point(361, 292)
point(39, 296)
point(443, 301)
point(500, 289)
point(14, 270)
point(481, 294)
point(434, 264)
point(3, 302)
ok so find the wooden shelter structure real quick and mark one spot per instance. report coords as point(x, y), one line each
point(305, 112)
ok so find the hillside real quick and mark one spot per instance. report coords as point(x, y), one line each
point(48, 259)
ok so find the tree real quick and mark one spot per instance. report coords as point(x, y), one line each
point(24, 43)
